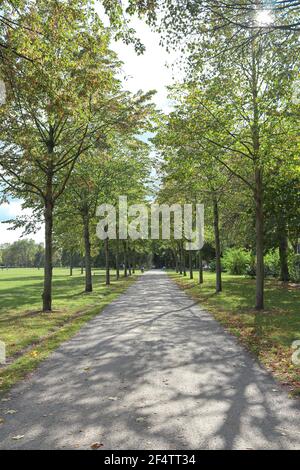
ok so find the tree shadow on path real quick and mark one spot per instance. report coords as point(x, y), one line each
point(154, 371)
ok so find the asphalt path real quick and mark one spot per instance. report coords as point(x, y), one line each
point(154, 370)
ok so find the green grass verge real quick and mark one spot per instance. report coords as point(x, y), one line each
point(268, 334)
point(31, 335)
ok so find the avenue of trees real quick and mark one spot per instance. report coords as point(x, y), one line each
point(70, 135)
point(66, 117)
point(232, 140)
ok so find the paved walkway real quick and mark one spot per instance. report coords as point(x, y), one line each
point(153, 371)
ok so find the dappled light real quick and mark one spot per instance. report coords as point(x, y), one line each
point(21, 320)
point(153, 371)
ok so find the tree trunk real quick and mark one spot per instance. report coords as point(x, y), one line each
point(259, 227)
point(200, 268)
point(71, 264)
point(180, 259)
point(184, 261)
point(283, 253)
point(258, 193)
point(48, 214)
point(117, 262)
point(191, 264)
point(81, 270)
point(125, 259)
point(129, 262)
point(218, 246)
point(107, 271)
point(87, 255)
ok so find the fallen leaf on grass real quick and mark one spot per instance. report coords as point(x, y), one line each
point(96, 445)
point(34, 354)
point(18, 437)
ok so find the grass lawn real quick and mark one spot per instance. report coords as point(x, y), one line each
point(30, 335)
point(269, 334)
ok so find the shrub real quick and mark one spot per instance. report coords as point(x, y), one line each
point(237, 260)
point(251, 269)
point(212, 266)
point(294, 267)
point(272, 263)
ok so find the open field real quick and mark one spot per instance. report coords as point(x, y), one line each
point(268, 334)
point(30, 335)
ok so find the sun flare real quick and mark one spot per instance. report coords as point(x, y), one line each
point(264, 17)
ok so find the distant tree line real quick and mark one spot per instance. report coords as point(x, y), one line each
point(27, 253)
point(22, 253)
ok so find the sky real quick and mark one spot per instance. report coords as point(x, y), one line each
point(150, 71)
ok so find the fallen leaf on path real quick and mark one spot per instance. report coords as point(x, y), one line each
point(10, 412)
point(113, 398)
point(2, 420)
point(18, 437)
point(5, 399)
point(96, 445)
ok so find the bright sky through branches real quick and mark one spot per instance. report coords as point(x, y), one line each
point(145, 72)
point(264, 17)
